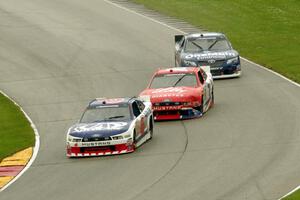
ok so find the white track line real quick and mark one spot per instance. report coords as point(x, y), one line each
point(144, 16)
point(294, 190)
point(269, 70)
point(36, 145)
point(178, 30)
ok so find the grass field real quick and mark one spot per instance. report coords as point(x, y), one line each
point(264, 31)
point(15, 131)
point(294, 196)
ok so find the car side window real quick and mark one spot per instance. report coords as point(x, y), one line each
point(135, 109)
point(141, 106)
point(201, 79)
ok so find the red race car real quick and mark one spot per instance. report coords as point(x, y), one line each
point(180, 93)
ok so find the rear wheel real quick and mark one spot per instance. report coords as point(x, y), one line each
point(200, 108)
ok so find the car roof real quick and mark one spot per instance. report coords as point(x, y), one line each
point(110, 101)
point(177, 70)
point(204, 34)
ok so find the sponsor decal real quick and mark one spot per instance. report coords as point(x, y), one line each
point(169, 90)
point(166, 108)
point(99, 127)
point(210, 56)
point(167, 95)
point(92, 144)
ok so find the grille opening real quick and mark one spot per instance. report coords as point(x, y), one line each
point(168, 104)
point(95, 139)
point(174, 112)
point(93, 149)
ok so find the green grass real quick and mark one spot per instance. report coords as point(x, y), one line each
point(265, 31)
point(294, 196)
point(15, 131)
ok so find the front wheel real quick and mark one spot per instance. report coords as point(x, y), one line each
point(132, 145)
point(151, 128)
point(200, 108)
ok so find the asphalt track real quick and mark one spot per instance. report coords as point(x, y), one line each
point(57, 55)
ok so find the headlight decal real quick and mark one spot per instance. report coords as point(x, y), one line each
point(119, 137)
point(232, 60)
point(74, 139)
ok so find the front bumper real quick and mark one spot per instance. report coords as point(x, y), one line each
point(187, 113)
point(86, 149)
point(234, 75)
point(226, 71)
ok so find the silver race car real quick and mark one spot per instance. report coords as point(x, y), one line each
point(208, 49)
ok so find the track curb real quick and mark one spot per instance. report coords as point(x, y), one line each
point(34, 150)
point(11, 166)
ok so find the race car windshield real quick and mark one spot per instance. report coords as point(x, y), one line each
point(106, 113)
point(173, 80)
point(194, 45)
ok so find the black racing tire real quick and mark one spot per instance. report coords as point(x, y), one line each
point(200, 108)
point(133, 139)
point(151, 128)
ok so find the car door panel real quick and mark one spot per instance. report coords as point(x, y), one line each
point(143, 118)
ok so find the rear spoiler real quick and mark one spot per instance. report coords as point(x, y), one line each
point(97, 99)
point(178, 38)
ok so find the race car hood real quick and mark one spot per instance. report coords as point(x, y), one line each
point(208, 55)
point(103, 129)
point(172, 94)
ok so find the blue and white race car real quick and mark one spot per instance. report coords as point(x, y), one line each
point(208, 49)
point(111, 126)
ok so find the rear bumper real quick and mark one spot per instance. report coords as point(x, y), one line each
point(77, 151)
point(176, 114)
